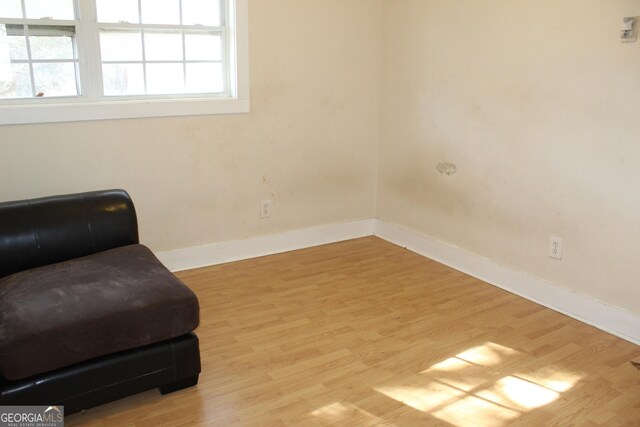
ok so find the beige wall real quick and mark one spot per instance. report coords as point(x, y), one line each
point(309, 143)
point(534, 101)
point(537, 103)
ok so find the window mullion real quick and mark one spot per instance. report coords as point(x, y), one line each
point(229, 49)
point(28, 43)
point(162, 27)
point(184, 52)
point(225, 61)
point(24, 9)
point(224, 19)
point(88, 50)
point(144, 50)
point(25, 28)
point(45, 22)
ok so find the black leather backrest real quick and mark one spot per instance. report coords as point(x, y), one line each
point(44, 231)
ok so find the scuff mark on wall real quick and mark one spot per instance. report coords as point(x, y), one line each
point(447, 168)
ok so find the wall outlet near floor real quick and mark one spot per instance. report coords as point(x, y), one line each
point(555, 247)
point(265, 209)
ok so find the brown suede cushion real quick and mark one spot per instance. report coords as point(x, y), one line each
point(61, 314)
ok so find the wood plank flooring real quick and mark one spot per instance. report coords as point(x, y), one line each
point(364, 333)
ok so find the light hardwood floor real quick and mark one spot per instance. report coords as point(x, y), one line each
point(367, 333)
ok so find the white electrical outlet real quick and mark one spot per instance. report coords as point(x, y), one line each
point(555, 247)
point(265, 209)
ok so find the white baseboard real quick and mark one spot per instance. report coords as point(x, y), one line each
point(608, 318)
point(586, 309)
point(219, 253)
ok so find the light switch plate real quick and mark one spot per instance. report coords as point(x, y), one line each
point(629, 35)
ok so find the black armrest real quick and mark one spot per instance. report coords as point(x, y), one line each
point(44, 231)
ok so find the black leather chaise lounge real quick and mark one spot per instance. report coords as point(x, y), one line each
point(88, 315)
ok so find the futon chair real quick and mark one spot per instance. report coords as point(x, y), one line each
point(87, 314)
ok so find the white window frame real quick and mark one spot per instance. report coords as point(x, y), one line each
point(83, 108)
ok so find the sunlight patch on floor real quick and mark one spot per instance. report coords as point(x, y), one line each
point(455, 372)
point(488, 354)
point(551, 377)
point(517, 393)
point(425, 399)
point(340, 411)
point(478, 387)
point(474, 411)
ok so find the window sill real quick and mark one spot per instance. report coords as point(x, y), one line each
point(110, 110)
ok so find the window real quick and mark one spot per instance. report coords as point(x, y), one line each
point(42, 60)
point(64, 60)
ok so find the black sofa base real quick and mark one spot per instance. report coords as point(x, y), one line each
point(170, 366)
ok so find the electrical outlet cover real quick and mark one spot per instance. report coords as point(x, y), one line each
point(265, 209)
point(555, 247)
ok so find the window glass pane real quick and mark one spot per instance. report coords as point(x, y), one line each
point(121, 45)
point(18, 47)
point(165, 78)
point(55, 79)
point(10, 9)
point(160, 11)
point(203, 46)
point(56, 9)
point(205, 78)
point(5, 56)
point(19, 83)
point(123, 79)
point(163, 46)
point(201, 12)
point(51, 47)
point(118, 11)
